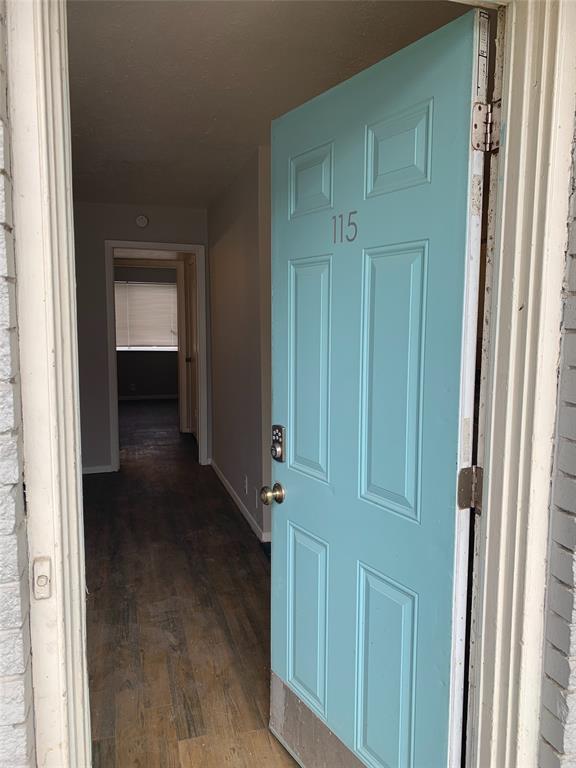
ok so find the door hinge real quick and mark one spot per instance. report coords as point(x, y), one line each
point(486, 125)
point(470, 488)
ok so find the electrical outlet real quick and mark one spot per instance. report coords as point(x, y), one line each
point(245, 485)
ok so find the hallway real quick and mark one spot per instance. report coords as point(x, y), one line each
point(178, 610)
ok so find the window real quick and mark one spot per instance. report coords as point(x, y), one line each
point(146, 317)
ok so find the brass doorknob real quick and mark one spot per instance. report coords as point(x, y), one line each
point(275, 494)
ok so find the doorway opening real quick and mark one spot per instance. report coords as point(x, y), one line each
point(43, 216)
point(178, 617)
point(157, 334)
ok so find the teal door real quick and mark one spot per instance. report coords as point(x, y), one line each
point(370, 244)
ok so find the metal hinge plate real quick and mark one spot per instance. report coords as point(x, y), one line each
point(486, 125)
point(470, 488)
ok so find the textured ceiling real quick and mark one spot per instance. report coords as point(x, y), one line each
point(169, 99)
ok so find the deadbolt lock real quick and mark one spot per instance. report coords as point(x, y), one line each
point(278, 447)
point(270, 495)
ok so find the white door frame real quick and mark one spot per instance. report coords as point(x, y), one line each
point(524, 306)
point(154, 252)
point(531, 211)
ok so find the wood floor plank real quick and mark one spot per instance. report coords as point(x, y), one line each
point(178, 610)
point(103, 753)
point(162, 741)
point(133, 754)
point(130, 714)
point(156, 687)
point(251, 749)
point(186, 698)
point(227, 701)
point(213, 752)
point(103, 714)
point(265, 750)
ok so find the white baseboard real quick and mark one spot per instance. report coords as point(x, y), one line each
point(262, 536)
point(98, 470)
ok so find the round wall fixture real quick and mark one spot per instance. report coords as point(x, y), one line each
point(142, 221)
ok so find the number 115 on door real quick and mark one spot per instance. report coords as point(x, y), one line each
point(344, 227)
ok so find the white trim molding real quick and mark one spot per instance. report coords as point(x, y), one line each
point(538, 91)
point(113, 424)
point(41, 158)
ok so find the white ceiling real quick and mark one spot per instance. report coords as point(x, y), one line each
point(170, 98)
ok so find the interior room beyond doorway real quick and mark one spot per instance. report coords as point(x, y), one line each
point(156, 329)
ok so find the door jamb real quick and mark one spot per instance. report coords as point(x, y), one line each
point(199, 254)
point(39, 119)
point(527, 238)
point(478, 92)
point(531, 210)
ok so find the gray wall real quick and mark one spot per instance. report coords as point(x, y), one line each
point(235, 297)
point(558, 745)
point(94, 223)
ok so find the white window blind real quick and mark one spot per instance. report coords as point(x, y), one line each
point(146, 315)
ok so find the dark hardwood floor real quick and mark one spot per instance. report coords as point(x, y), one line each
point(178, 610)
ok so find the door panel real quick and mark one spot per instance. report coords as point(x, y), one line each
point(308, 602)
point(369, 244)
point(392, 333)
point(398, 150)
point(309, 364)
point(385, 703)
